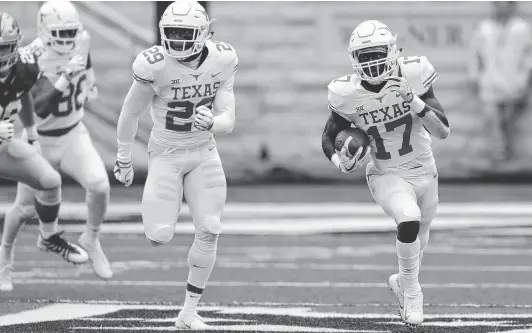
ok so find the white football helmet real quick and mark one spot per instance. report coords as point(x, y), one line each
point(59, 26)
point(373, 51)
point(185, 28)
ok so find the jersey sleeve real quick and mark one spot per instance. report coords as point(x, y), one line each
point(419, 73)
point(32, 72)
point(143, 72)
point(230, 59)
point(336, 101)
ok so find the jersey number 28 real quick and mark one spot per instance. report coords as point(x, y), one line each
point(70, 100)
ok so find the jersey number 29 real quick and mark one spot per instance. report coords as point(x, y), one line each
point(187, 110)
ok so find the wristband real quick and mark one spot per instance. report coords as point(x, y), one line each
point(62, 83)
point(417, 104)
point(32, 132)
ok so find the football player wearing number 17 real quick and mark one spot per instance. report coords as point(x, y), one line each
point(188, 82)
point(391, 98)
point(67, 82)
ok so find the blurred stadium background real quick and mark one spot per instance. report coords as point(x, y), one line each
point(289, 52)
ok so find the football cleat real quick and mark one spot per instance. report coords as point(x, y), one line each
point(394, 283)
point(193, 323)
point(412, 313)
point(68, 251)
point(100, 264)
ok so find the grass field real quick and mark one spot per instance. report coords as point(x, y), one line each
point(474, 280)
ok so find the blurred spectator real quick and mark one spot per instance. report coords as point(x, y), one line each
point(160, 7)
point(500, 74)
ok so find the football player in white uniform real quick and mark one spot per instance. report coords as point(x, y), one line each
point(66, 83)
point(20, 159)
point(391, 98)
point(188, 82)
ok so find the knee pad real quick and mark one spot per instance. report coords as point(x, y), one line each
point(50, 180)
point(407, 231)
point(49, 197)
point(204, 244)
point(209, 225)
point(403, 211)
point(98, 186)
point(160, 233)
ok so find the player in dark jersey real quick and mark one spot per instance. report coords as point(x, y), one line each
point(20, 160)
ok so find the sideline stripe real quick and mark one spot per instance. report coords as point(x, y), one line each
point(272, 284)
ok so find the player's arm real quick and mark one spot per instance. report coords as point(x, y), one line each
point(91, 80)
point(335, 124)
point(138, 97)
point(432, 114)
point(47, 95)
point(224, 107)
point(27, 117)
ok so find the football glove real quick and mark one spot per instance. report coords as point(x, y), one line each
point(123, 171)
point(400, 86)
point(348, 164)
point(7, 130)
point(204, 118)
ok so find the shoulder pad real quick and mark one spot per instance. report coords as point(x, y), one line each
point(85, 35)
point(419, 73)
point(148, 63)
point(226, 56)
point(338, 90)
point(342, 86)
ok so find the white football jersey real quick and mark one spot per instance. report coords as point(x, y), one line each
point(70, 109)
point(180, 89)
point(397, 135)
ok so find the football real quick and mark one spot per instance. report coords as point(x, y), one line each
point(360, 138)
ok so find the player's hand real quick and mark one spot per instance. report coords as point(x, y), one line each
point(75, 66)
point(123, 171)
point(7, 130)
point(400, 85)
point(204, 118)
point(348, 164)
point(92, 93)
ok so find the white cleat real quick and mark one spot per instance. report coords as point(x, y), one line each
point(194, 323)
point(410, 306)
point(5, 276)
point(412, 314)
point(394, 283)
point(100, 264)
point(68, 251)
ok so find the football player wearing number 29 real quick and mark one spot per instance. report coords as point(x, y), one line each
point(189, 82)
point(391, 98)
point(66, 83)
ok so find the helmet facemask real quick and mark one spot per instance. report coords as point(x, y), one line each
point(373, 64)
point(63, 38)
point(182, 42)
point(8, 55)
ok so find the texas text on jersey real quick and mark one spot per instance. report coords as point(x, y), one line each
point(396, 135)
point(180, 90)
point(24, 75)
point(68, 111)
